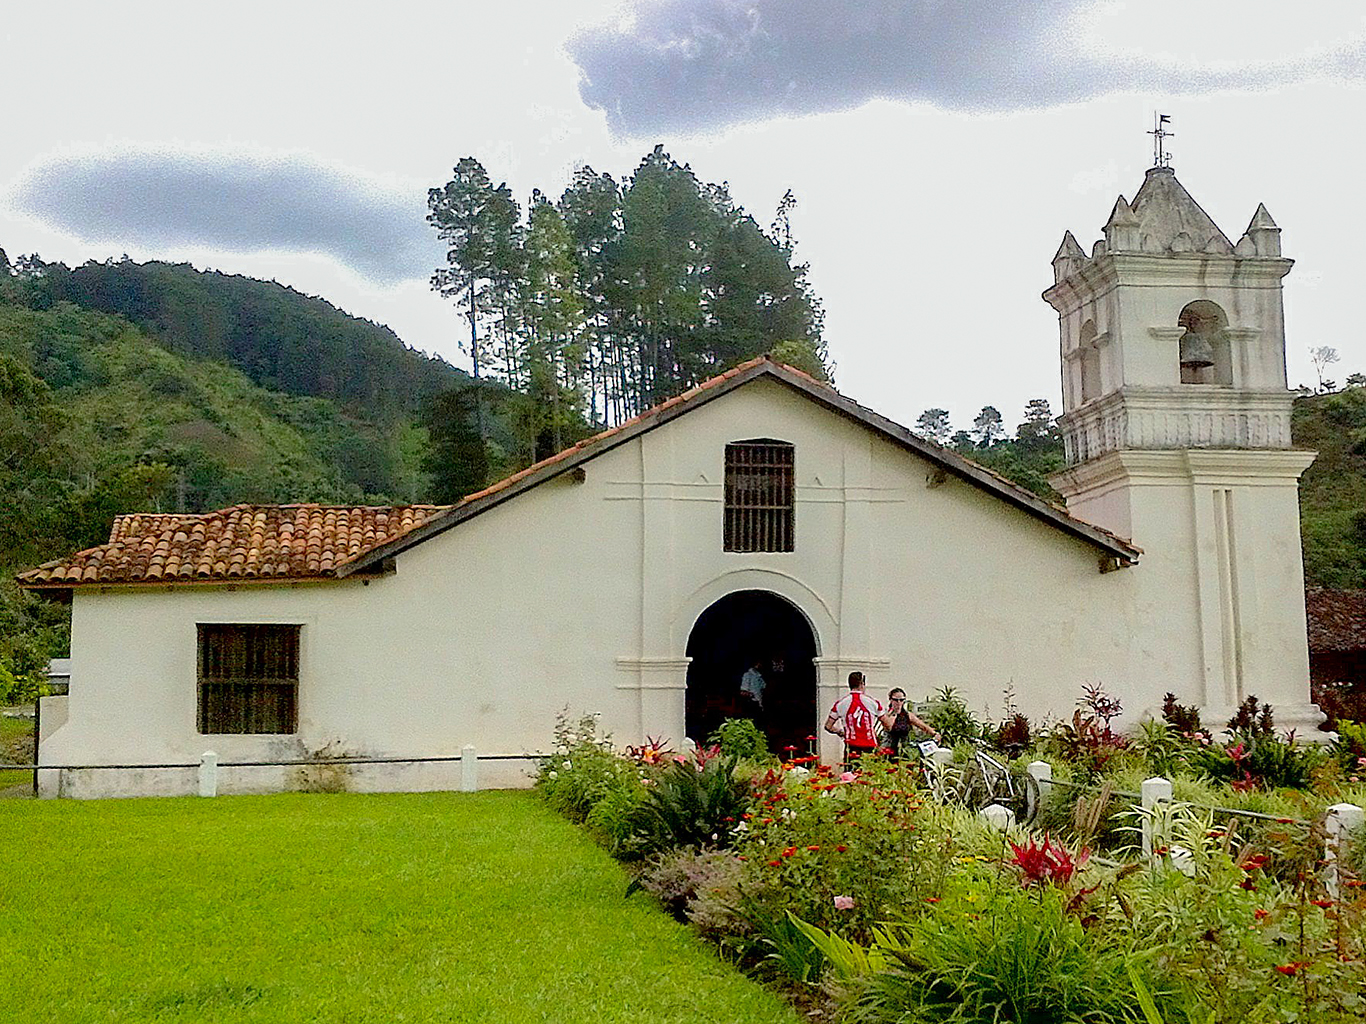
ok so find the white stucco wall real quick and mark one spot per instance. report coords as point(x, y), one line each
point(583, 595)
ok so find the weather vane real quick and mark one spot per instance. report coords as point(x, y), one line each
point(1161, 158)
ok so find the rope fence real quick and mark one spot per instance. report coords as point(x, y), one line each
point(209, 764)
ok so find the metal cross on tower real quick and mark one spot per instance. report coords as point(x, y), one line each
point(1161, 158)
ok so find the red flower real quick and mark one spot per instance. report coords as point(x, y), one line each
point(789, 852)
point(841, 848)
point(1261, 915)
point(1291, 969)
point(1045, 862)
point(775, 863)
point(931, 899)
point(1248, 884)
point(766, 821)
point(1322, 904)
point(813, 849)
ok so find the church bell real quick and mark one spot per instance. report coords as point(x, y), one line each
point(1196, 350)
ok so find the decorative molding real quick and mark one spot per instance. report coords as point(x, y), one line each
point(1184, 468)
point(1167, 333)
point(1175, 417)
point(654, 673)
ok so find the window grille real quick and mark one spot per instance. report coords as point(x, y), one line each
point(760, 507)
point(248, 679)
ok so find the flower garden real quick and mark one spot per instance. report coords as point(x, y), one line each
point(865, 900)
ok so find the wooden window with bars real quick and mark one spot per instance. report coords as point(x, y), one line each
point(761, 510)
point(248, 679)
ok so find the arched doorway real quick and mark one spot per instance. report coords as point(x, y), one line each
point(744, 630)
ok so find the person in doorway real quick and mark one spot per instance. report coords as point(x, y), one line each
point(752, 685)
point(898, 722)
point(855, 717)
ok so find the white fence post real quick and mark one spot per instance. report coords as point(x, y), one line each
point(998, 817)
point(1153, 792)
point(208, 773)
point(1340, 822)
point(1043, 775)
point(469, 770)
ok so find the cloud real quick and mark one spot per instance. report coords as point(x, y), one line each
point(233, 202)
point(685, 65)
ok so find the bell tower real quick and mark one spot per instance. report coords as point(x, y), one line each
point(1176, 423)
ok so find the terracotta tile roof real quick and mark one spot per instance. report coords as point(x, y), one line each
point(1337, 619)
point(245, 542)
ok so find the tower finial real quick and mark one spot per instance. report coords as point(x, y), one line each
point(1161, 158)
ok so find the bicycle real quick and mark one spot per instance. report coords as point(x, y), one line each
point(982, 782)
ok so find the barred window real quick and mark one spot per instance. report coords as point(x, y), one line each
point(760, 510)
point(248, 679)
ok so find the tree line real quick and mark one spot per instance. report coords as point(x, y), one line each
point(616, 296)
point(1027, 458)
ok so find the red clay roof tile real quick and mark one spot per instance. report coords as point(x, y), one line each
point(242, 542)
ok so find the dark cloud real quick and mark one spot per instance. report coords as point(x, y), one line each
point(234, 203)
point(681, 65)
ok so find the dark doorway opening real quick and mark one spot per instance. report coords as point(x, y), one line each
point(745, 630)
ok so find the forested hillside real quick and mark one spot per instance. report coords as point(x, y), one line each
point(1333, 489)
point(280, 338)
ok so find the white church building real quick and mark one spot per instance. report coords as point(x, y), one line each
point(763, 518)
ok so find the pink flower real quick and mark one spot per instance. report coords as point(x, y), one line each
point(848, 777)
point(844, 903)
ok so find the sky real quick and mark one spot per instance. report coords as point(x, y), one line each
point(938, 148)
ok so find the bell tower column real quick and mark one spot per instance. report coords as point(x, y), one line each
point(1176, 425)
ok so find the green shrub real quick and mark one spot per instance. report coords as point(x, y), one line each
point(1350, 746)
point(1258, 758)
point(692, 802)
point(812, 839)
point(740, 738)
point(1165, 751)
point(609, 820)
point(20, 688)
point(950, 716)
point(1023, 959)
point(687, 883)
point(583, 770)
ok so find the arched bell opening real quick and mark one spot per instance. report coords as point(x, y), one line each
point(753, 631)
point(1205, 354)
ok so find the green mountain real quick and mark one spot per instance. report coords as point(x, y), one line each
point(280, 338)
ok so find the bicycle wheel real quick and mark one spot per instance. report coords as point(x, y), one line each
point(1025, 803)
point(974, 789)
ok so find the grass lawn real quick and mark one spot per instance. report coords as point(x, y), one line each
point(338, 908)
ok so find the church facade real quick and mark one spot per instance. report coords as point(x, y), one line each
point(760, 520)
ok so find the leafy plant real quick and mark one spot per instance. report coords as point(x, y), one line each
point(692, 802)
point(1350, 746)
point(1165, 750)
point(1025, 959)
point(582, 770)
point(1184, 718)
point(742, 739)
point(950, 716)
point(680, 878)
point(1013, 735)
point(1252, 720)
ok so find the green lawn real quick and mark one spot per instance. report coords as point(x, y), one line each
point(338, 908)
